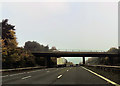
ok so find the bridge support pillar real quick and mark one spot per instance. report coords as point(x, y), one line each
point(48, 61)
point(83, 60)
point(110, 61)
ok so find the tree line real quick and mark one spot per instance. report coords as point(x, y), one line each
point(106, 60)
point(17, 57)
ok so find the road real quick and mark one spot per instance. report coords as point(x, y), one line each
point(67, 76)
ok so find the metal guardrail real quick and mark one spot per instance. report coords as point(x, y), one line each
point(19, 69)
point(106, 67)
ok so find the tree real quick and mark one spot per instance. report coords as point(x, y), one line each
point(113, 60)
point(53, 48)
point(9, 43)
point(8, 35)
point(107, 60)
point(12, 56)
point(35, 46)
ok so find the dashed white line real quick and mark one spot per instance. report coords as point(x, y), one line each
point(33, 71)
point(19, 73)
point(48, 71)
point(59, 76)
point(5, 76)
point(101, 77)
point(13, 74)
point(26, 77)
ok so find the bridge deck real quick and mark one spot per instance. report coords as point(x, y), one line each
point(75, 54)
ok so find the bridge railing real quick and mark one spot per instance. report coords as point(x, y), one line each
point(78, 50)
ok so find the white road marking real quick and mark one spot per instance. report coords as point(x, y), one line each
point(13, 74)
point(5, 76)
point(67, 70)
point(20, 73)
point(26, 77)
point(59, 76)
point(101, 77)
point(48, 71)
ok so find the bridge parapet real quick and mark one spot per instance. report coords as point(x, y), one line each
point(78, 50)
point(75, 54)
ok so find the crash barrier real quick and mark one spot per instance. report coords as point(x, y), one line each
point(20, 69)
point(105, 68)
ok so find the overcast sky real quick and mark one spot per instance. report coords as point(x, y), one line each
point(66, 25)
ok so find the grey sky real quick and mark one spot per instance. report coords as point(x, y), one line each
point(66, 25)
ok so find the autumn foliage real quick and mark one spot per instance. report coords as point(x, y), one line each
point(14, 56)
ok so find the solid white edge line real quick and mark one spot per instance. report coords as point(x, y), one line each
point(59, 76)
point(26, 77)
point(101, 77)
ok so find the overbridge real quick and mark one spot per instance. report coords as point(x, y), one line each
point(58, 54)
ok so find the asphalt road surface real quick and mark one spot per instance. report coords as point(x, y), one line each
point(67, 76)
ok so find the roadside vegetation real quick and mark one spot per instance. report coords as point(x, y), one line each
point(105, 60)
point(17, 57)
